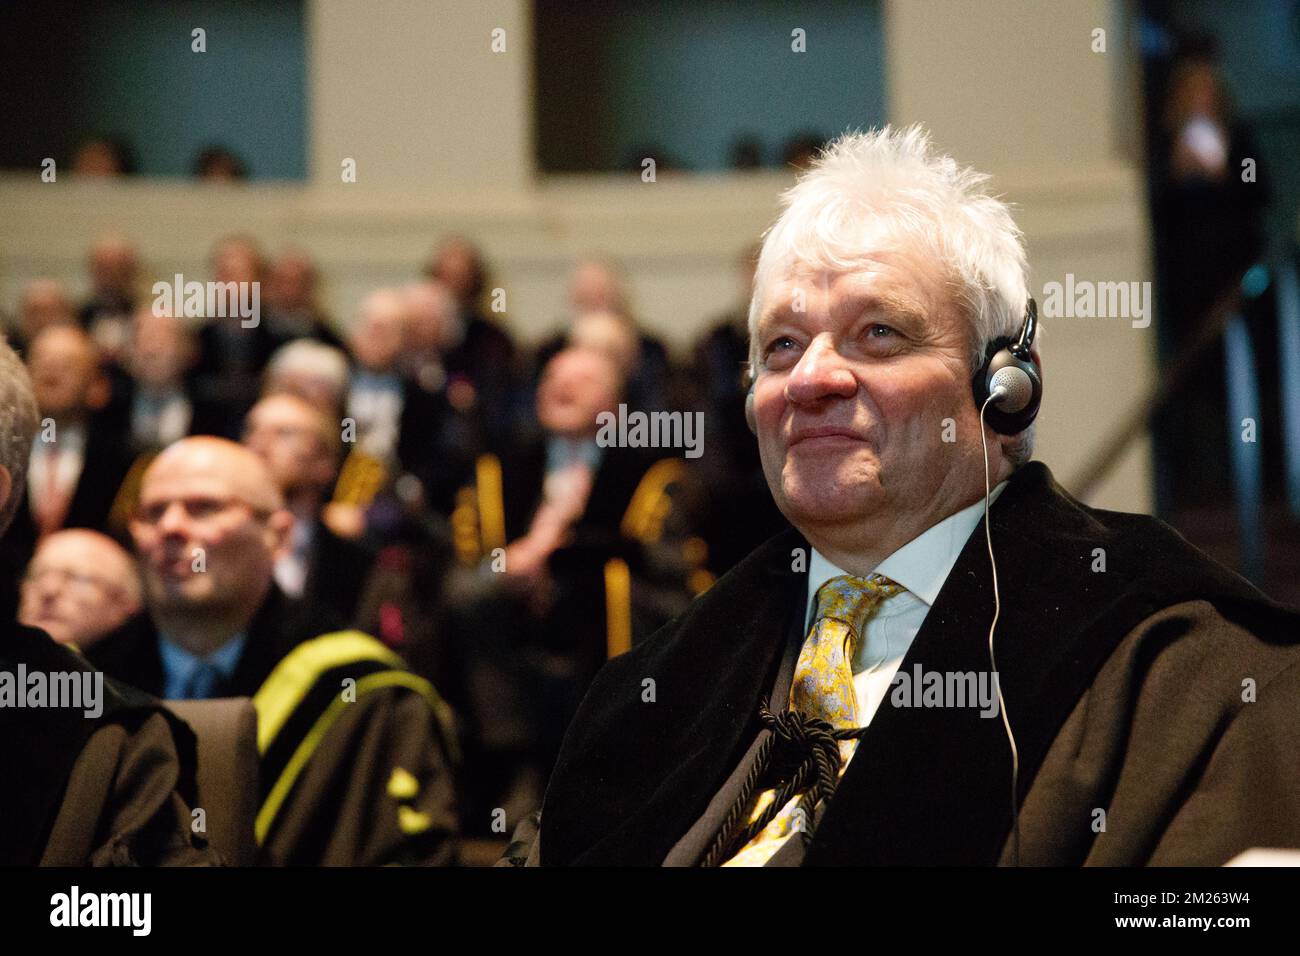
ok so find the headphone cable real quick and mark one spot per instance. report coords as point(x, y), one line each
point(997, 609)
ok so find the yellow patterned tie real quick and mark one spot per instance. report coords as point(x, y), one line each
point(822, 687)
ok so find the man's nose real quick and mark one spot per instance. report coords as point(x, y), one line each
point(820, 373)
point(173, 519)
point(48, 587)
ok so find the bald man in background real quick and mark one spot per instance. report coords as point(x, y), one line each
point(80, 586)
point(354, 748)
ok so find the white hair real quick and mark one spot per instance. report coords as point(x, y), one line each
point(19, 422)
point(891, 186)
point(309, 357)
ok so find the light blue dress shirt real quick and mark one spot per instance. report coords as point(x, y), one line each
point(187, 676)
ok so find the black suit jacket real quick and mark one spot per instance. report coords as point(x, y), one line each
point(437, 443)
point(337, 573)
point(131, 655)
point(208, 416)
point(1124, 688)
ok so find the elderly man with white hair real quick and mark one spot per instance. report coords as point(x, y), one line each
point(868, 687)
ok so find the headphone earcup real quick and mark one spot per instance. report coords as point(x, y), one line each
point(750, 419)
point(1002, 422)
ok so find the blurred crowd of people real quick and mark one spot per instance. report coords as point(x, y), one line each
point(212, 507)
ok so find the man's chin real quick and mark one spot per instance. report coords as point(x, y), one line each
point(819, 507)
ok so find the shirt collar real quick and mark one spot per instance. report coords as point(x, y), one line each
point(67, 438)
point(562, 451)
point(179, 664)
point(921, 565)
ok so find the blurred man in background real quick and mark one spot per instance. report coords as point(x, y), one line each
point(300, 446)
point(76, 468)
point(155, 405)
point(479, 353)
point(80, 586)
point(114, 271)
point(232, 355)
point(290, 304)
point(598, 294)
point(411, 428)
point(43, 304)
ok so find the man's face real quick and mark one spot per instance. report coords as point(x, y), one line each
point(289, 285)
point(78, 588)
point(160, 351)
point(64, 370)
point(112, 268)
point(206, 530)
point(236, 261)
point(431, 317)
point(43, 305)
point(851, 394)
point(576, 386)
point(378, 339)
point(594, 288)
point(285, 433)
point(456, 265)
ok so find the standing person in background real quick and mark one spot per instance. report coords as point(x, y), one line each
point(479, 352)
point(598, 286)
point(290, 305)
point(231, 354)
point(1209, 228)
point(114, 271)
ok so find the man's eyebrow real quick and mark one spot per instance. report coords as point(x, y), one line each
point(894, 306)
point(888, 304)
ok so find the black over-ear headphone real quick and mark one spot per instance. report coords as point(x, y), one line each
point(1010, 367)
point(1008, 364)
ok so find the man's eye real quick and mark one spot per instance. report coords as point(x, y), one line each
point(779, 343)
point(878, 331)
point(203, 507)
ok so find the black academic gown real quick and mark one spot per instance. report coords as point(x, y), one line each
point(109, 790)
point(1124, 687)
point(343, 808)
